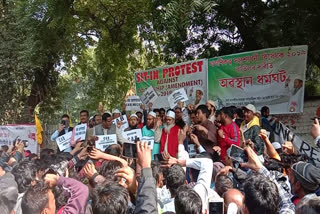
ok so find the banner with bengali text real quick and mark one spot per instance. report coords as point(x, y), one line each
point(192, 76)
point(270, 77)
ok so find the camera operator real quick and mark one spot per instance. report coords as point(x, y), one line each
point(62, 129)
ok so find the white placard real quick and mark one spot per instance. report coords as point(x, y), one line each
point(133, 103)
point(149, 96)
point(176, 96)
point(149, 140)
point(80, 132)
point(123, 119)
point(63, 141)
point(9, 133)
point(104, 141)
point(132, 135)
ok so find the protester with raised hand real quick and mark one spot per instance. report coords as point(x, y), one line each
point(275, 200)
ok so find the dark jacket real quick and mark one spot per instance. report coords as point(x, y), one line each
point(147, 193)
point(98, 129)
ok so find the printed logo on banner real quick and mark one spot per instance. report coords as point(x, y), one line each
point(149, 96)
point(149, 140)
point(63, 141)
point(176, 96)
point(132, 135)
point(80, 132)
point(123, 119)
point(133, 103)
point(104, 141)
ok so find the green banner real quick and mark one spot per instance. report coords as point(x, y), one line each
point(270, 77)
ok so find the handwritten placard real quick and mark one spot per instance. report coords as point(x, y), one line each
point(132, 135)
point(149, 96)
point(123, 119)
point(80, 132)
point(104, 141)
point(63, 141)
point(149, 140)
point(176, 96)
point(133, 103)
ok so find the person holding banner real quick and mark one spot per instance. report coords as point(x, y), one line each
point(116, 113)
point(106, 127)
point(169, 136)
point(152, 130)
point(133, 124)
point(62, 129)
point(251, 129)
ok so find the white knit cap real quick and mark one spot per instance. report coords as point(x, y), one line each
point(133, 115)
point(116, 111)
point(171, 114)
point(153, 114)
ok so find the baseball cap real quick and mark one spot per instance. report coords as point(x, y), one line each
point(250, 107)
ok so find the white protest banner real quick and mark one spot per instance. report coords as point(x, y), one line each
point(149, 140)
point(133, 103)
point(149, 96)
point(176, 96)
point(273, 77)
point(282, 133)
point(9, 133)
point(132, 135)
point(123, 119)
point(63, 141)
point(192, 76)
point(80, 132)
point(104, 141)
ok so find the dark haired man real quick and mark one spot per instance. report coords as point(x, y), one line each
point(206, 131)
point(84, 117)
point(106, 127)
point(187, 201)
point(228, 133)
point(63, 128)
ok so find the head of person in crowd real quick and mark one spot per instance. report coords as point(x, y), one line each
point(157, 111)
point(175, 178)
point(211, 107)
point(84, 116)
point(178, 112)
point(238, 114)
point(25, 175)
point(193, 117)
point(108, 170)
point(151, 120)
point(45, 153)
point(258, 114)
point(222, 184)
point(4, 148)
point(110, 198)
point(38, 200)
point(170, 120)
point(233, 196)
point(33, 156)
point(260, 195)
point(187, 201)
point(265, 111)
point(140, 115)
point(97, 119)
point(202, 113)
point(162, 114)
point(116, 113)
point(226, 115)
point(91, 122)
point(310, 205)
point(304, 179)
point(106, 121)
point(157, 173)
point(249, 113)
point(133, 121)
point(65, 120)
point(114, 149)
point(218, 121)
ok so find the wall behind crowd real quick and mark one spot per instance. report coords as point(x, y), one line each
point(300, 124)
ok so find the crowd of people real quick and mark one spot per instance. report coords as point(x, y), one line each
point(190, 169)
